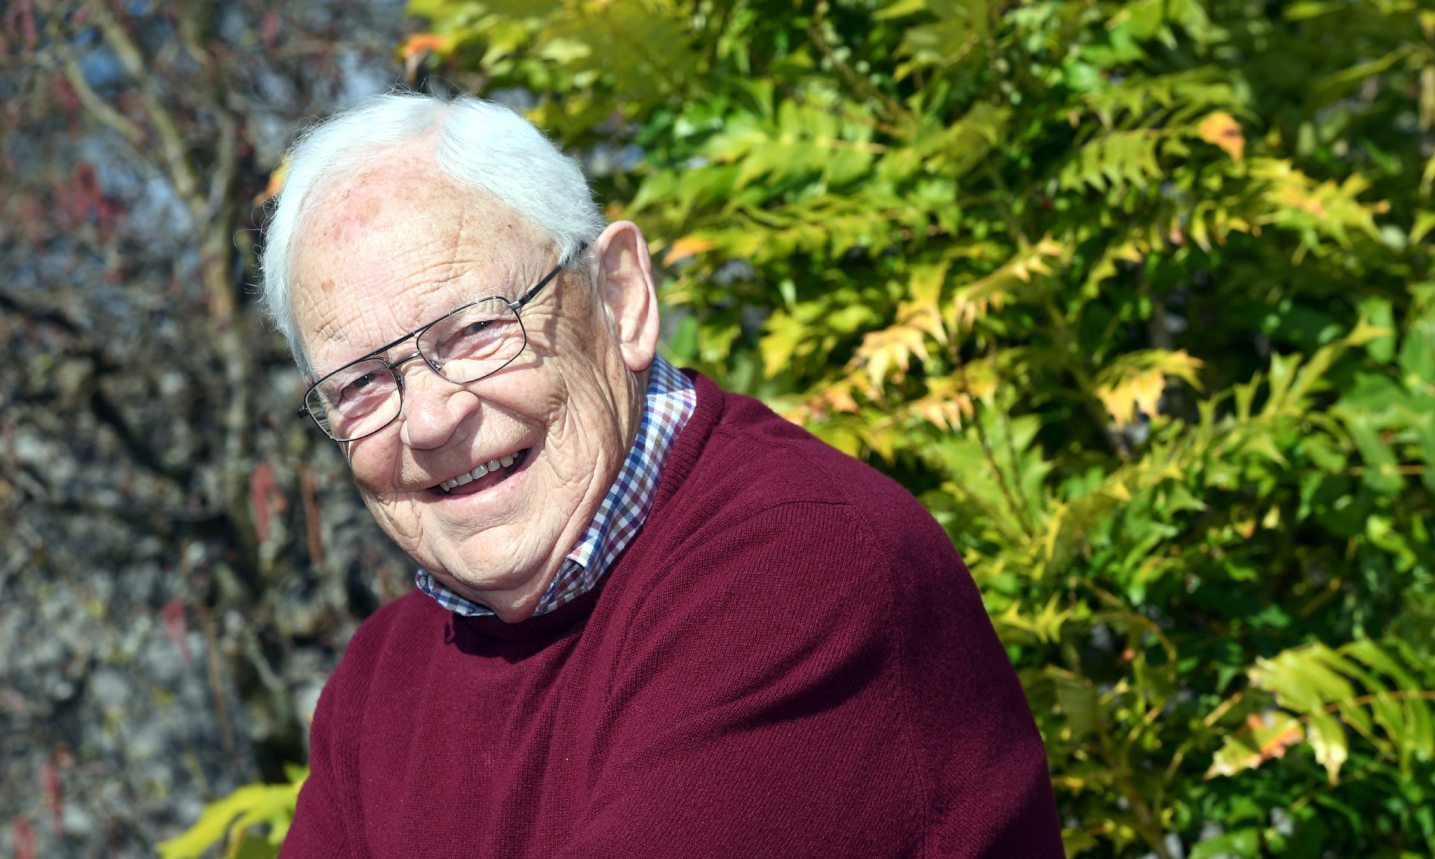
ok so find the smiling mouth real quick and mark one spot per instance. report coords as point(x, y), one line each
point(485, 476)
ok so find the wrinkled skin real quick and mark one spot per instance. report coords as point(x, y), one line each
point(390, 249)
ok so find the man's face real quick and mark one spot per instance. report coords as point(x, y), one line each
point(397, 246)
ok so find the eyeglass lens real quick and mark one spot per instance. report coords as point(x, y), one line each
point(463, 347)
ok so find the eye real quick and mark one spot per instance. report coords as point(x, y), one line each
point(358, 385)
point(369, 383)
point(472, 338)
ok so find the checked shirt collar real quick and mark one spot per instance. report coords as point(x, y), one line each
point(668, 403)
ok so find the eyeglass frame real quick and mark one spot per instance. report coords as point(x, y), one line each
point(516, 306)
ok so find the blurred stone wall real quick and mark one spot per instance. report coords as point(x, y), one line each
point(182, 559)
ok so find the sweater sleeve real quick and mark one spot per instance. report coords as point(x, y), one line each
point(330, 819)
point(772, 703)
point(319, 828)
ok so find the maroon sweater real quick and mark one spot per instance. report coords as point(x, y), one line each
point(789, 660)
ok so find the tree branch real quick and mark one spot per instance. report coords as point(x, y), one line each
point(89, 99)
point(161, 120)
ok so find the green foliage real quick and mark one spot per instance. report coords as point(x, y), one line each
point(1321, 692)
point(229, 823)
point(1136, 296)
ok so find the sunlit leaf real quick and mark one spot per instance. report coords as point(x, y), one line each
point(1221, 129)
point(1133, 384)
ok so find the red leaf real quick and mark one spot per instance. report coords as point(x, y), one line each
point(176, 627)
point(50, 781)
point(263, 489)
point(313, 530)
point(22, 837)
point(22, 16)
point(269, 28)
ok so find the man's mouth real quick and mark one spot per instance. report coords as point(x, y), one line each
point(486, 475)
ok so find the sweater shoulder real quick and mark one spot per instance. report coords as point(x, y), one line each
point(384, 638)
point(797, 550)
point(754, 461)
point(768, 510)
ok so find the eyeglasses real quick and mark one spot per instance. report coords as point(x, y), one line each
point(463, 346)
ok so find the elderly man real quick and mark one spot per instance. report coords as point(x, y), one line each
point(651, 617)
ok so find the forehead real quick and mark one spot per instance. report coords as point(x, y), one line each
point(388, 248)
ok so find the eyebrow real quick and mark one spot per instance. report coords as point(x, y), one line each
point(379, 352)
point(508, 284)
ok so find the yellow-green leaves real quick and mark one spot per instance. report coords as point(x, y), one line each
point(1159, 19)
point(958, 147)
point(1116, 160)
point(1018, 276)
point(1315, 210)
point(1221, 129)
point(796, 142)
point(1133, 383)
point(1323, 694)
point(619, 57)
point(955, 29)
point(229, 822)
point(1264, 737)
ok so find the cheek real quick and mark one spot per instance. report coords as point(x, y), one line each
point(372, 463)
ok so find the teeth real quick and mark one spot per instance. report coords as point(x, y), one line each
point(490, 466)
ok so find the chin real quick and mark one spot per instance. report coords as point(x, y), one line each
point(510, 593)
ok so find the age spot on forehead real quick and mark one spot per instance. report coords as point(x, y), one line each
point(352, 217)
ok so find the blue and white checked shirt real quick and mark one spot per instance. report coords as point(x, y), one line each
point(668, 404)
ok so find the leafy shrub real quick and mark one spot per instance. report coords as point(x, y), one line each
point(1136, 296)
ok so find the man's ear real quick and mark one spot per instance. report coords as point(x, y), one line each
point(626, 289)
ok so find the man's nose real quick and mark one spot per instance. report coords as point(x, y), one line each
point(434, 408)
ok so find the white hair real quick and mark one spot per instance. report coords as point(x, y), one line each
point(477, 143)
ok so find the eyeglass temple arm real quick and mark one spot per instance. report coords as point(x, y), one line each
point(538, 287)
